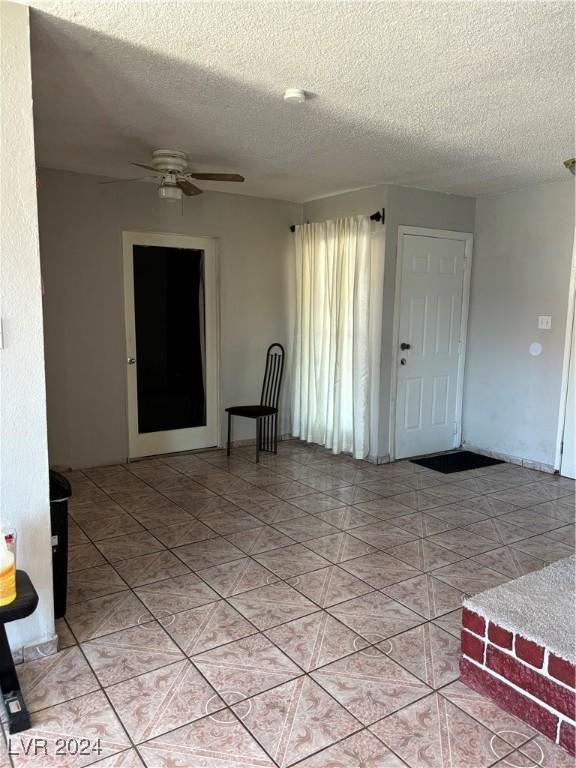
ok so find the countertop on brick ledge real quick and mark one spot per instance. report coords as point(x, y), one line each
point(540, 606)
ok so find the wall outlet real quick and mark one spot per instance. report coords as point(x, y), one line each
point(544, 322)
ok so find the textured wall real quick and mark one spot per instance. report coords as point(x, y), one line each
point(81, 226)
point(23, 451)
point(521, 269)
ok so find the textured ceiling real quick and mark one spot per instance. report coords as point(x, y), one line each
point(464, 97)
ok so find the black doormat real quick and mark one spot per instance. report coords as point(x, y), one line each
point(456, 462)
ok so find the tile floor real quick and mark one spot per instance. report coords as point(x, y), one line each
point(304, 611)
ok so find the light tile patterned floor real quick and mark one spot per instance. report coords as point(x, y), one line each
point(304, 611)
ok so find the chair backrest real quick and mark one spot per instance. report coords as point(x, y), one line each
point(273, 375)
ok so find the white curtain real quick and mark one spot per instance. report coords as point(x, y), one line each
point(337, 340)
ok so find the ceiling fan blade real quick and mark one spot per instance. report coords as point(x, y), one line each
point(188, 188)
point(121, 181)
point(147, 167)
point(215, 176)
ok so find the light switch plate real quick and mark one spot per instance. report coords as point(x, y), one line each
point(544, 322)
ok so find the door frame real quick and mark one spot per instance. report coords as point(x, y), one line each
point(444, 234)
point(568, 349)
point(211, 269)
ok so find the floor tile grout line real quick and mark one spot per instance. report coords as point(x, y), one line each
point(429, 620)
point(186, 658)
point(110, 704)
point(438, 691)
point(324, 610)
point(430, 572)
point(456, 528)
point(370, 645)
point(442, 688)
point(227, 706)
point(464, 557)
point(288, 502)
point(318, 608)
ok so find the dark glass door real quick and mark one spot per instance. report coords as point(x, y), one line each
point(169, 314)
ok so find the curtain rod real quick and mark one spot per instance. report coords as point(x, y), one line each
point(378, 216)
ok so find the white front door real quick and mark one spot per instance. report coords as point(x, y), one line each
point(171, 342)
point(432, 296)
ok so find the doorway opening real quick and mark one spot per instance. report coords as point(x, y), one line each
point(171, 343)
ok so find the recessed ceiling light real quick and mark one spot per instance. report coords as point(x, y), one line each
point(295, 95)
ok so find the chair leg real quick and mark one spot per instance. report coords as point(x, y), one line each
point(275, 433)
point(229, 431)
point(258, 428)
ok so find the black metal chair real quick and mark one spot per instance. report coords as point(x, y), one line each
point(266, 414)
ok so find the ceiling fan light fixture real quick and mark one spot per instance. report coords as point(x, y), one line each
point(169, 192)
point(175, 178)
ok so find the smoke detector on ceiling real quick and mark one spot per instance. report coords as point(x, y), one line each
point(294, 95)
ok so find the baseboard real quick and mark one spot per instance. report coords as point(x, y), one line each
point(251, 441)
point(518, 460)
point(33, 651)
point(385, 459)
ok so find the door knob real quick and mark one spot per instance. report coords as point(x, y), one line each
point(403, 361)
point(404, 345)
point(131, 360)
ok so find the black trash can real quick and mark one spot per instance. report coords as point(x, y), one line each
point(60, 492)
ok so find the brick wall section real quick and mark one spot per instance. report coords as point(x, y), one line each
point(562, 670)
point(521, 676)
point(472, 646)
point(568, 737)
point(473, 622)
point(500, 636)
point(528, 651)
point(509, 699)
point(556, 696)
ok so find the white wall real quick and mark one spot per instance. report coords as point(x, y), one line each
point(357, 203)
point(23, 449)
point(404, 206)
point(521, 269)
point(81, 224)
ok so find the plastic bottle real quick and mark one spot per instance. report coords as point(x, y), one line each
point(7, 574)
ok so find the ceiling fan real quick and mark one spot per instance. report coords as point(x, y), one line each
point(171, 170)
